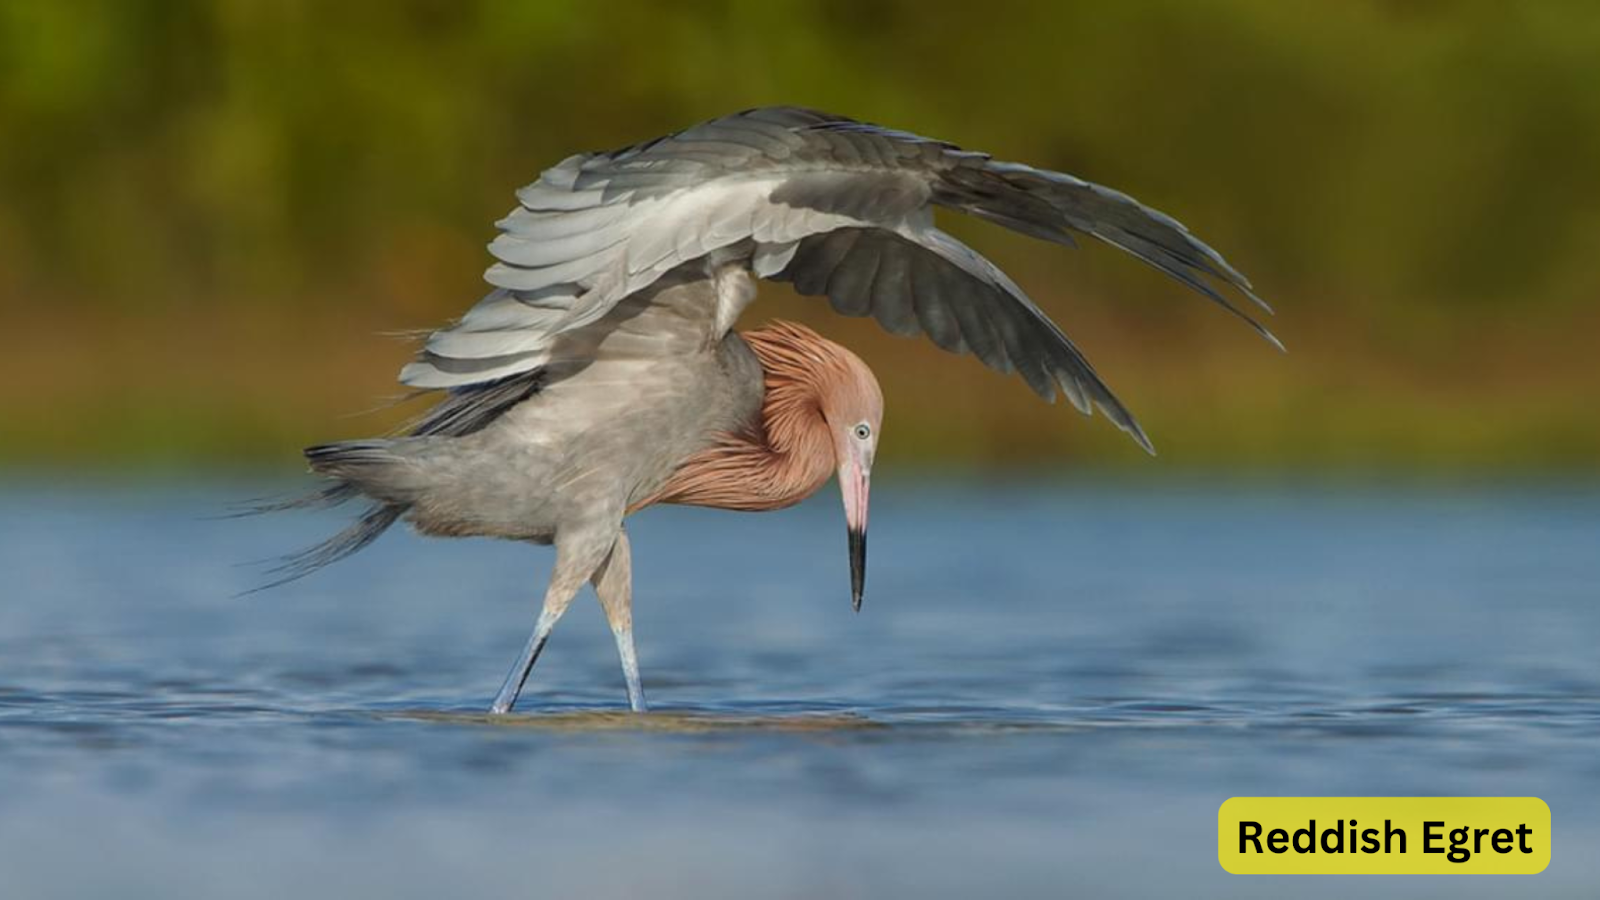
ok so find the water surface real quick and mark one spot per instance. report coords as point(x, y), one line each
point(1049, 692)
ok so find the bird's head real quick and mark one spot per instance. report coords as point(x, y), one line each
point(852, 408)
point(822, 411)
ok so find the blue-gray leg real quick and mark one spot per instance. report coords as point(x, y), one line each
point(613, 584)
point(518, 675)
point(578, 557)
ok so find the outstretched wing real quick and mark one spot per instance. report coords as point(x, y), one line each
point(837, 207)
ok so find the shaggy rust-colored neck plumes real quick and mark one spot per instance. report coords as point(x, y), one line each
point(814, 388)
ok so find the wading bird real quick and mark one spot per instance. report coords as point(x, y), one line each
point(602, 375)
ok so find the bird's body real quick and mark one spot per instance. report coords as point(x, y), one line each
point(603, 375)
point(590, 444)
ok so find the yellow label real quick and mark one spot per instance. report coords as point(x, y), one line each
point(1383, 835)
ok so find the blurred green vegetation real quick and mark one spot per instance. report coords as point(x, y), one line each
point(210, 211)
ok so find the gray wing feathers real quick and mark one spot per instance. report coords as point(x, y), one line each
point(505, 334)
point(838, 207)
point(927, 281)
point(1043, 204)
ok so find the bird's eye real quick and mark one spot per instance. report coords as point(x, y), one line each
point(863, 431)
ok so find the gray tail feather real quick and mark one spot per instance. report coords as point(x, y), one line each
point(357, 468)
point(323, 498)
point(354, 538)
point(351, 459)
point(385, 470)
point(353, 466)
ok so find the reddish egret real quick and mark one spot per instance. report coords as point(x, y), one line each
point(602, 375)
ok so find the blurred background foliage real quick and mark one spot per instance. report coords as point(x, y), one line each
point(210, 212)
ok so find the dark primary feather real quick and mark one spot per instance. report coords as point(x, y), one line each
point(1044, 204)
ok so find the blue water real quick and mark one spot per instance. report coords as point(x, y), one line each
point(1048, 693)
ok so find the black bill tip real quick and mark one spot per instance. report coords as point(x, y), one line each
point(858, 567)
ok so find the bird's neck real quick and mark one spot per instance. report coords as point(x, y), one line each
point(746, 473)
point(782, 459)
